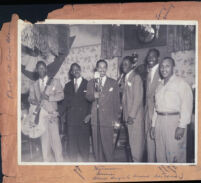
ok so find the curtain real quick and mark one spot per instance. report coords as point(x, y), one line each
point(112, 43)
point(180, 37)
point(49, 43)
point(39, 42)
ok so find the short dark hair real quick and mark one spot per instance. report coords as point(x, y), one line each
point(130, 59)
point(40, 62)
point(171, 59)
point(103, 61)
point(155, 50)
point(75, 64)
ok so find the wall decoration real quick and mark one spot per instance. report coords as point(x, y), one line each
point(185, 65)
point(132, 36)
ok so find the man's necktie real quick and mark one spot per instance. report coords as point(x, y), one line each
point(42, 85)
point(76, 85)
point(149, 80)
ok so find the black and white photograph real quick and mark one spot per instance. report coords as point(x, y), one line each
point(107, 91)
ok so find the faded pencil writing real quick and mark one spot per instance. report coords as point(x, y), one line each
point(164, 11)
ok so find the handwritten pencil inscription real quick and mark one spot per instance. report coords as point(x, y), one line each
point(164, 11)
point(103, 173)
point(9, 91)
point(78, 171)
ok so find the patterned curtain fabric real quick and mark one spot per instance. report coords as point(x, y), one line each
point(180, 38)
point(112, 42)
point(50, 43)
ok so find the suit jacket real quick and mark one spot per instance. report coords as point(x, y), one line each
point(109, 103)
point(75, 104)
point(54, 91)
point(132, 100)
point(150, 93)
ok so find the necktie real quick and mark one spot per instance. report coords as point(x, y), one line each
point(76, 85)
point(42, 85)
point(149, 80)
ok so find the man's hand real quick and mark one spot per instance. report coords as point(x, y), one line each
point(87, 118)
point(130, 120)
point(152, 133)
point(179, 133)
point(96, 94)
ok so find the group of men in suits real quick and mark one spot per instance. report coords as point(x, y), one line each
point(158, 127)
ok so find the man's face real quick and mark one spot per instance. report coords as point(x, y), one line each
point(42, 70)
point(126, 66)
point(76, 72)
point(102, 69)
point(166, 68)
point(152, 59)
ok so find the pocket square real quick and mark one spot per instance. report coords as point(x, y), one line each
point(111, 89)
point(85, 91)
point(129, 83)
point(53, 88)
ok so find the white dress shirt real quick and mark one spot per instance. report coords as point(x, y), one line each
point(79, 80)
point(174, 96)
point(42, 83)
point(103, 79)
point(153, 71)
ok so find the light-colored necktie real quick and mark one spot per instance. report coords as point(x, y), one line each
point(42, 85)
point(149, 80)
point(76, 85)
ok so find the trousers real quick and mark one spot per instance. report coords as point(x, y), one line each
point(51, 141)
point(105, 144)
point(78, 142)
point(151, 148)
point(136, 140)
point(168, 149)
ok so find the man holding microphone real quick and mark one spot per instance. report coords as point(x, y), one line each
point(103, 92)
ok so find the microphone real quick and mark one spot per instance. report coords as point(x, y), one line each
point(97, 81)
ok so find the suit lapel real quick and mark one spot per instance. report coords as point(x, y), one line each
point(37, 90)
point(155, 81)
point(106, 85)
point(131, 76)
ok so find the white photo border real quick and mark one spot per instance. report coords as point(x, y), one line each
point(21, 23)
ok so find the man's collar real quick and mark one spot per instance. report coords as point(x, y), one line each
point(44, 79)
point(78, 79)
point(153, 68)
point(129, 73)
point(170, 79)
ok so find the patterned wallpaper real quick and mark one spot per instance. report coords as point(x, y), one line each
point(185, 65)
point(86, 57)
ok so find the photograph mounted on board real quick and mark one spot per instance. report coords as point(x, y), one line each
point(101, 91)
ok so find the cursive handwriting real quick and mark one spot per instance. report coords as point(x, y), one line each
point(103, 173)
point(9, 91)
point(164, 12)
point(78, 171)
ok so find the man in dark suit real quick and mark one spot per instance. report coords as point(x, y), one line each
point(77, 110)
point(105, 112)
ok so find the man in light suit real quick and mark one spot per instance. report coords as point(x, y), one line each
point(152, 81)
point(105, 112)
point(78, 110)
point(133, 111)
point(48, 91)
